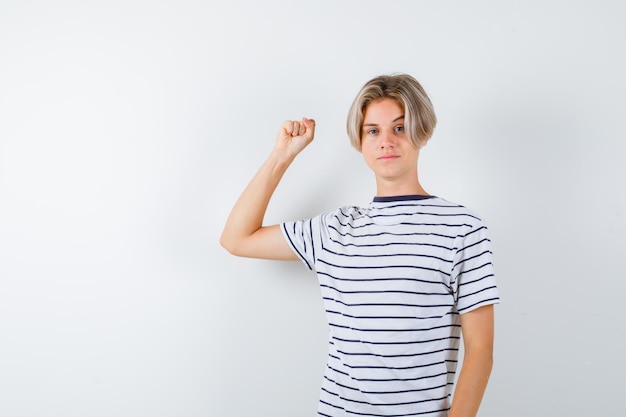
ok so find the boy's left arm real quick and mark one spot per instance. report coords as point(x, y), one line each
point(478, 328)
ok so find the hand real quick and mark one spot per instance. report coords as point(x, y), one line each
point(294, 136)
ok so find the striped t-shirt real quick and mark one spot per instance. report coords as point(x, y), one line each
point(394, 278)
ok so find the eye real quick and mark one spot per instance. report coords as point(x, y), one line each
point(372, 131)
point(399, 128)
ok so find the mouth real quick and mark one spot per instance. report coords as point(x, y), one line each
point(388, 157)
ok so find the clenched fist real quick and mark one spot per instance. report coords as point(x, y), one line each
point(294, 136)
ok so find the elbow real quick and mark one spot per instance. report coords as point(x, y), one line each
point(227, 244)
point(230, 245)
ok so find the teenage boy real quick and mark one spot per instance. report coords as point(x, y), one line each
point(401, 279)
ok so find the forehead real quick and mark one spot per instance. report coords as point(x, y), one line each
point(382, 110)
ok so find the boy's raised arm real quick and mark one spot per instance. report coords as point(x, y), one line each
point(244, 233)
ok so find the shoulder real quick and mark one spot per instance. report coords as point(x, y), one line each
point(456, 209)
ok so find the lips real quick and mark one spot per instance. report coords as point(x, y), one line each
point(388, 157)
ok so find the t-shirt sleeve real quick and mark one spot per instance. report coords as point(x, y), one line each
point(302, 236)
point(473, 279)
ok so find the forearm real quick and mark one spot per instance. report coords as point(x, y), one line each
point(472, 383)
point(246, 216)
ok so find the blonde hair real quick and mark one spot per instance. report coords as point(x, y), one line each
point(419, 115)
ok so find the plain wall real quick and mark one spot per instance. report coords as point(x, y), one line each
point(129, 128)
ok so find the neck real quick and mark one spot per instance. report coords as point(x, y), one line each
point(387, 188)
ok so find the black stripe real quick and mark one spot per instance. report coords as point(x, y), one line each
point(339, 326)
point(357, 255)
point(311, 236)
point(384, 291)
point(473, 269)
point(475, 231)
point(374, 245)
point(423, 213)
point(473, 257)
point(408, 355)
point(383, 279)
point(362, 225)
point(478, 292)
point(415, 342)
point(474, 244)
point(392, 380)
point(389, 234)
point(451, 313)
point(386, 304)
point(396, 368)
point(383, 267)
point(385, 404)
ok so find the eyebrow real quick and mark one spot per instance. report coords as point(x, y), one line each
point(376, 124)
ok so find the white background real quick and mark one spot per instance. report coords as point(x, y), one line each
point(128, 129)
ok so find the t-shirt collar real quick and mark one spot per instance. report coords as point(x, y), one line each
point(393, 198)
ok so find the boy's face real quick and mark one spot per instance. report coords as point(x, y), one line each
point(384, 144)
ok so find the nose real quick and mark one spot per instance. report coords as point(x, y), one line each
point(387, 139)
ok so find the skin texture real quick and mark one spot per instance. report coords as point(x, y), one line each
point(393, 160)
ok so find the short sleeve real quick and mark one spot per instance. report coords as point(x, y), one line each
point(473, 278)
point(300, 236)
